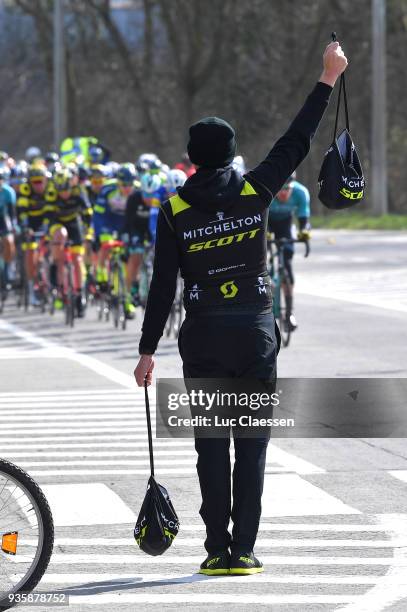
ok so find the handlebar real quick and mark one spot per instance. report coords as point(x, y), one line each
point(280, 242)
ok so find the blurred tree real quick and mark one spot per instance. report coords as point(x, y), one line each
point(139, 87)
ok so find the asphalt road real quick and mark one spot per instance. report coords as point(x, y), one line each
point(334, 527)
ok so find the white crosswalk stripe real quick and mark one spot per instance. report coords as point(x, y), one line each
point(60, 438)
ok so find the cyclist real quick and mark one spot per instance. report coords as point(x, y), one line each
point(18, 176)
point(97, 180)
point(8, 221)
point(154, 194)
point(137, 236)
point(35, 198)
point(70, 217)
point(33, 154)
point(52, 161)
point(175, 178)
point(293, 199)
point(108, 220)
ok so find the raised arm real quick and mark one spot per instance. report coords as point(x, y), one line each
point(290, 150)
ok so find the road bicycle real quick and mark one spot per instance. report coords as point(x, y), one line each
point(26, 533)
point(280, 280)
point(41, 280)
point(112, 299)
point(117, 283)
point(3, 280)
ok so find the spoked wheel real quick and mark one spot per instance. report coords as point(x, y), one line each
point(26, 533)
point(3, 289)
point(70, 308)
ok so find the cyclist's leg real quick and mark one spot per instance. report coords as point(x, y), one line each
point(136, 251)
point(283, 230)
point(31, 255)
point(75, 236)
point(102, 273)
point(58, 235)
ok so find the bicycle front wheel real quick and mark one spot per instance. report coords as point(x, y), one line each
point(26, 533)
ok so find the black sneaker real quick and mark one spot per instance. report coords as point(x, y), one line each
point(216, 564)
point(245, 563)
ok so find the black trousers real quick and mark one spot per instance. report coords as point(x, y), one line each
point(229, 346)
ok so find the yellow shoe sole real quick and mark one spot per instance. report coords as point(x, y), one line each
point(241, 571)
point(214, 572)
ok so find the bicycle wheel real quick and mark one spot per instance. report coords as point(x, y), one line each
point(26, 532)
point(3, 286)
point(70, 297)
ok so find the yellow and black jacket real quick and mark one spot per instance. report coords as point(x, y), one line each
point(77, 206)
point(35, 207)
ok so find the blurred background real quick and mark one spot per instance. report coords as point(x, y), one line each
point(136, 73)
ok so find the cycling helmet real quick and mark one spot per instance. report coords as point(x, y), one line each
point(150, 184)
point(112, 169)
point(38, 171)
point(96, 154)
point(51, 157)
point(18, 174)
point(98, 171)
point(175, 178)
point(4, 173)
point(73, 168)
point(148, 161)
point(3, 156)
point(32, 153)
point(126, 174)
point(63, 179)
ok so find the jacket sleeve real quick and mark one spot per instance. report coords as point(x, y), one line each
point(162, 288)
point(290, 150)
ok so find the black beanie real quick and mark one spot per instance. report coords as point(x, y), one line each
point(211, 143)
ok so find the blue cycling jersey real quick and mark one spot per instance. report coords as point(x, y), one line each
point(298, 204)
point(109, 210)
point(7, 201)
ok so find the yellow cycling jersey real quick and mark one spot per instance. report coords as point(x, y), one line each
point(34, 205)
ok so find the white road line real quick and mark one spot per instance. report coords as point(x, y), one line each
point(38, 395)
point(91, 411)
point(100, 579)
point(103, 462)
point(86, 504)
point(114, 416)
point(114, 403)
point(399, 474)
point(302, 527)
point(173, 443)
point(67, 454)
point(37, 473)
point(208, 598)
point(296, 464)
point(291, 495)
point(79, 428)
point(142, 559)
point(260, 542)
point(65, 352)
point(390, 588)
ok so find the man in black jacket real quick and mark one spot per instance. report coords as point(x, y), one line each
point(214, 231)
